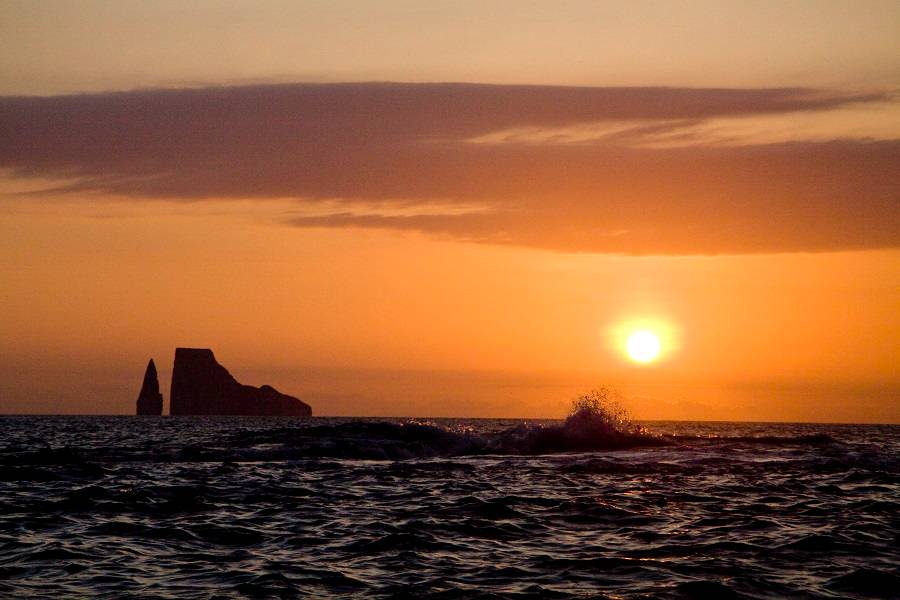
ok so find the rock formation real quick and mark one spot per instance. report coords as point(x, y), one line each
point(201, 386)
point(150, 401)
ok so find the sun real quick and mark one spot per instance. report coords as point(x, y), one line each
point(645, 339)
point(643, 346)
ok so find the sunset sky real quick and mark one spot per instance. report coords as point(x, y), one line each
point(455, 208)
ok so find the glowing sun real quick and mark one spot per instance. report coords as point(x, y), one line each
point(643, 346)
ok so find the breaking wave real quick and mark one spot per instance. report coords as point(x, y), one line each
point(372, 440)
point(582, 432)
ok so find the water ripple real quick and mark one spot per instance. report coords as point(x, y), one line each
point(284, 508)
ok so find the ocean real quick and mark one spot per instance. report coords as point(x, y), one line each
point(235, 507)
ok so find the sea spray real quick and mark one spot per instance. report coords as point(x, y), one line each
point(597, 421)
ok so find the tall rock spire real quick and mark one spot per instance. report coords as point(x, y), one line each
point(150, 401)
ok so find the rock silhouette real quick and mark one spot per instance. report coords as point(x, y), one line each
point(150, 401)
point(201, 386)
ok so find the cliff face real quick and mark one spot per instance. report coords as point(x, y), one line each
point(150, 401)
point(201, 386)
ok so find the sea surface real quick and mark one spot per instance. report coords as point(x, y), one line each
point(182, 507)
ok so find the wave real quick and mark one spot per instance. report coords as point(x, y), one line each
point(375, 440)
point(415, 439)
point(595, 425)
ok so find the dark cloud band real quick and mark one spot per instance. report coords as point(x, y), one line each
point(392, 145)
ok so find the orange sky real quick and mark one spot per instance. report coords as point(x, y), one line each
point(431, 249)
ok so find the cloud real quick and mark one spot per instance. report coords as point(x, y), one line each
point(390, 156)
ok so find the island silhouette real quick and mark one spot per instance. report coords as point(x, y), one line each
point(150, 400)
point(201, 386)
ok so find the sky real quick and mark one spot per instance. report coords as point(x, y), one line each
point(455, 208)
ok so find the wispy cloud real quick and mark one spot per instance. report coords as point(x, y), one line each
point(630, 170)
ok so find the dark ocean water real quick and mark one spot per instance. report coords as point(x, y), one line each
point(119, 507)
